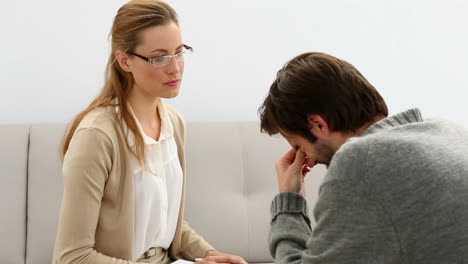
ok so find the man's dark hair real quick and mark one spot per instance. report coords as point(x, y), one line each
point(318, 83)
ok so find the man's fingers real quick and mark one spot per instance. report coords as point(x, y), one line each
point(290, 156)
point(299, 158)
point(286, 160)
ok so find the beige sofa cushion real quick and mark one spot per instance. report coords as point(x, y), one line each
point(13, 164)
point(45, 191)
point(231, 181)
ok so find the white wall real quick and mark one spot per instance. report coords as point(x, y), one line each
point(53, 53)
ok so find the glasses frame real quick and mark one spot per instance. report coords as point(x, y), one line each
point(152, 60)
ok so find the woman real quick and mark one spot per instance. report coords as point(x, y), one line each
point(123, 156)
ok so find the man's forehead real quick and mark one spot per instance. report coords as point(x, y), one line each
point(287, 135)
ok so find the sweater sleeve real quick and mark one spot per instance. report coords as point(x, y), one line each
point(352, 226)
point(86, 168)
point(290, 227)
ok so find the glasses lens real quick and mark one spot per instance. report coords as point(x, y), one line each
point(180, 56)
point(161, 61)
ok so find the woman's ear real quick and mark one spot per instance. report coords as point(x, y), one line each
point(122, 59)
point(318, 125)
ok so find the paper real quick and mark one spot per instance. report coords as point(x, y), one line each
point(181, 261)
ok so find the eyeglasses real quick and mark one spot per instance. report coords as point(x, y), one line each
point(161, 61)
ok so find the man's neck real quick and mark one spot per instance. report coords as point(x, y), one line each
point(363, 129)
point(341, 137)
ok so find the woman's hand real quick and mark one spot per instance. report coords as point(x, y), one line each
point(216, 257)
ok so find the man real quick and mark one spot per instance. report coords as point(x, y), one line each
point(396, 189)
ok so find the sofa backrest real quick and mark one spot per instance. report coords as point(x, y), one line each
point(14, 140)
point(45, 186)
point(230, 183)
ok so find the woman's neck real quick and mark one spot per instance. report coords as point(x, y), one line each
point(146, 111)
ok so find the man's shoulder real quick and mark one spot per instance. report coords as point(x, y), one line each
point(355, 149)
point(414, 138)
point(393, 152)
point(348, 163)
point(358, 155)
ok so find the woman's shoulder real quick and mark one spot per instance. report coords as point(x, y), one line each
point(177, 120)
point(173, 113)
point(102, 118)
point(175, 116)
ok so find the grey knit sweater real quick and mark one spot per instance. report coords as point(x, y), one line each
point(396, 194)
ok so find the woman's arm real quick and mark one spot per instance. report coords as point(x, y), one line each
point(86, 167)
point(192, 244)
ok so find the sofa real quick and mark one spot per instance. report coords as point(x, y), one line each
point(230, 183)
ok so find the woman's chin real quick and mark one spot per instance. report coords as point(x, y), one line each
point(171, 94)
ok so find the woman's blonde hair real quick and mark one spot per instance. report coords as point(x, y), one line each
point(131, 19)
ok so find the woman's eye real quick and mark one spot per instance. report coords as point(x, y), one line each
point(158, 59)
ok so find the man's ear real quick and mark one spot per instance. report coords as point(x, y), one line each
point(318, 125)
point(122, 59)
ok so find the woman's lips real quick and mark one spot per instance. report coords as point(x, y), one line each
point(172, 83)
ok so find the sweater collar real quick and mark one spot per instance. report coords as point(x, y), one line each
point(403, 118)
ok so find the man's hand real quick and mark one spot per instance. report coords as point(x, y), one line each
point(291, 170)
point(216, 257)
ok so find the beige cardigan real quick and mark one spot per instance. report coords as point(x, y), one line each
point(96, 219)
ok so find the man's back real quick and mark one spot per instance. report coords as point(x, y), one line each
point(413, 177)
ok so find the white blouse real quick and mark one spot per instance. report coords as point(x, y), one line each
point(158, 189)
